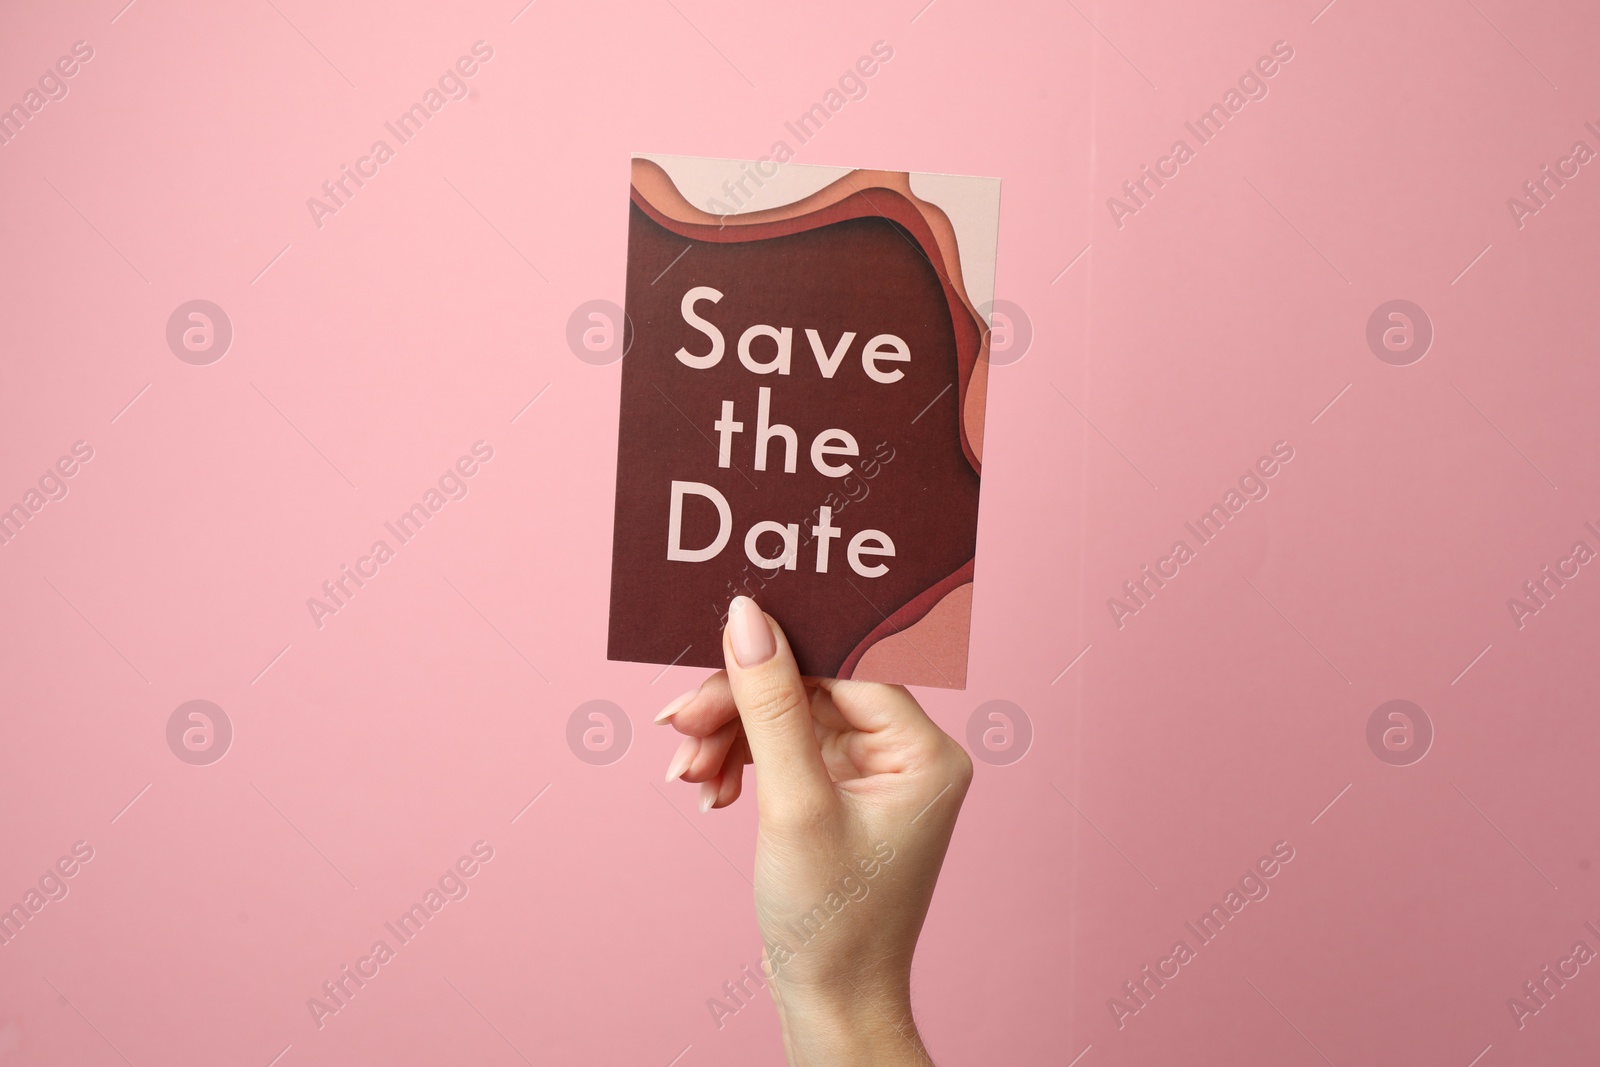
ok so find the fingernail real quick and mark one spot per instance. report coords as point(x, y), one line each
point(685, 756)
point(708, 795)
point(676, 706)
point(751, 637)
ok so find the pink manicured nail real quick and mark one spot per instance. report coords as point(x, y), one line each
point(676, 706)
point(708, 795)
point(685, 756)
point(751, 637)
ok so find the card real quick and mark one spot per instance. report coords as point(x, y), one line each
point(806, 361)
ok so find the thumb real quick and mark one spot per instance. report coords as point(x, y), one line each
point(791, 778)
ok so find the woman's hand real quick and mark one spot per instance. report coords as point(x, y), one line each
point(857, 793)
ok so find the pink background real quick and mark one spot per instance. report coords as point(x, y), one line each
point(1226, 716)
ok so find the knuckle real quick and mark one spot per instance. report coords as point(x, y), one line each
point(964, 768)
point(774, 701)
point(957, 762)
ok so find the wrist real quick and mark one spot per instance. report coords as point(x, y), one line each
point(867, 1028)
